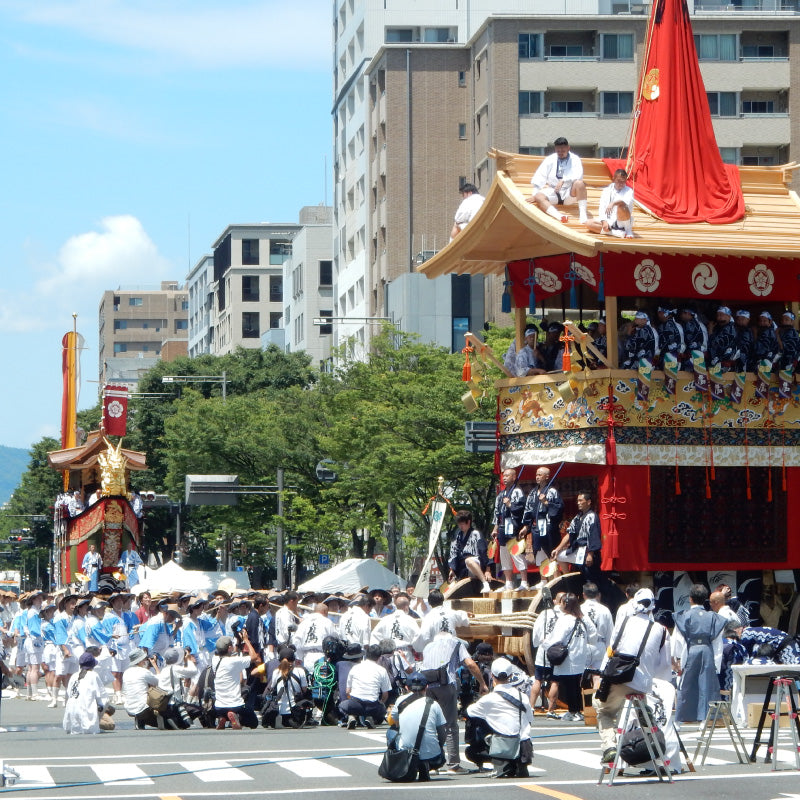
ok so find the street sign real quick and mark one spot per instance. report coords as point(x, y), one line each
point(324, 560)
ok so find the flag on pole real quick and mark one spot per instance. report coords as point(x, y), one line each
point(115, 410)
point(438, 508)
point(71, 345)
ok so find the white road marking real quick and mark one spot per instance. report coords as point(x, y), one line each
point(215, 771)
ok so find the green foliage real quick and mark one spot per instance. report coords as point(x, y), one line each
point(12, 465)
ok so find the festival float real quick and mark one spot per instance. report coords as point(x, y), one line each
point(692, 469)
point(100, 472)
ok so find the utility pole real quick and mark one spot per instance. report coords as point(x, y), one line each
point(279, 579)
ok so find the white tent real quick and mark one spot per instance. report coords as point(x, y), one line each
point(350, 576)
point(172, 578)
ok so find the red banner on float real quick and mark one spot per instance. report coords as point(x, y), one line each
point(115, 410)
point(743, 279)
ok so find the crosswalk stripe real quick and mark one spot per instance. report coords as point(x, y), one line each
point(215, 771)
point(123, 774)
point(580, 758)
point(34, 776)
point(372, 758)
point(311, 768)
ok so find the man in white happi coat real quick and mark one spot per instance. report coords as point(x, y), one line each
point(307, 639)
point(355, 624)
point(558, 182)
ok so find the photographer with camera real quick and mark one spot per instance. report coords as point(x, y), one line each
point(228, 667)
point(136, 680)
point(179, 664)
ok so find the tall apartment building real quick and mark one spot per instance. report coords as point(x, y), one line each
point(200, 286)
point(137, 328)
point(247, 283)
point(422, 95)
point(308, 286)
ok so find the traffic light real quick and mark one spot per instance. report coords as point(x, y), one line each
point(19, 540)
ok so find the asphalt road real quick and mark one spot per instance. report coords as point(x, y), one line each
point(323, 762)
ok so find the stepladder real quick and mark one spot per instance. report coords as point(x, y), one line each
point(635, 712)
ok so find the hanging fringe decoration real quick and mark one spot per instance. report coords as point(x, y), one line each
point(530, 282)
point(505, 302)
point(769, 462)
point(601, 286)
point(466, 370)
point(747, 461)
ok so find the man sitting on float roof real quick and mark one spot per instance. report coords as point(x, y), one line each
point(559, 182)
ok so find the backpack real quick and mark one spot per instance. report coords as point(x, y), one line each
point(207, 695)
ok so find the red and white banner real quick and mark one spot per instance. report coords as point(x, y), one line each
point(115, 410)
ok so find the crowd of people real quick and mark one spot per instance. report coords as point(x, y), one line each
point(279, 660)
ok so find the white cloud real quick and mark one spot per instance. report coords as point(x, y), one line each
point(200, 33)
point(119, 253)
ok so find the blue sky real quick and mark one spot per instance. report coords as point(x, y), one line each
point(132, 133)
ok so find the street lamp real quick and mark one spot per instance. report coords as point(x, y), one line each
point(221, 379)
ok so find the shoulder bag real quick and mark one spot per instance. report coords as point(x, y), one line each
point(402, 765)
point(621, 668)
point(502, 746)
point(158, 699)
point(557, 653)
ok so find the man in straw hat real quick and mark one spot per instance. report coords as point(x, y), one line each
point(142, 672)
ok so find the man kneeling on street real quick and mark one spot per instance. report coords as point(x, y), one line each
point(368, 687)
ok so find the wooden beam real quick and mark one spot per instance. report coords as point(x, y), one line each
point(611, 331)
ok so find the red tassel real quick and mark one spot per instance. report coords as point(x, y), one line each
point(749, 491)
point(708, 486)
point(648, 481)
point(677, 481)
point(466, 371)
point(783, 477)
point(611, 449)
point(769, 484)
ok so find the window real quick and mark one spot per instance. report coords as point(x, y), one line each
point(276, 288)
point(462, 130)
point(759, 161)
point(250, 288)
point(120, 324)
point(250, 252)
point(530, 45)
point(184, 305)
point(181, 324)
point(250, 329)
point(722, 104)
point(532, 151)
point(566, 51)
point(326, 273)
point(758, 106)
point(756, 51)
point(618, 46)
point(617, 103)
point(279, 251)
point(462, 78)
point(120, 347)
point(530, 103)
point(729, 155)
point(438, 35)
point(566, 106)
point(135, 301)
point(274, 319)
point(326, 329)
point(399, 35)
point(460, 327)
point(716, 47)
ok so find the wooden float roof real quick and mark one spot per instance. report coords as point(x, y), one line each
point(508, 228)
point(85, 456)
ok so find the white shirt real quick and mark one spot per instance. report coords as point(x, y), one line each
point(501, 715)
point(550, 172)
point(355, 626)
point(543, 626)
point(284, 618)
point(135, 681)
point(611, 195)
point(399, 627)
point(440, 619)
point(227, 680)
point(655, 659)
point(171, 675)
point(313, 628)
point(295, 682)
point(468, 209)
point(445, 651)
point(367, 681)
point(604, 623)
point(579, 648)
